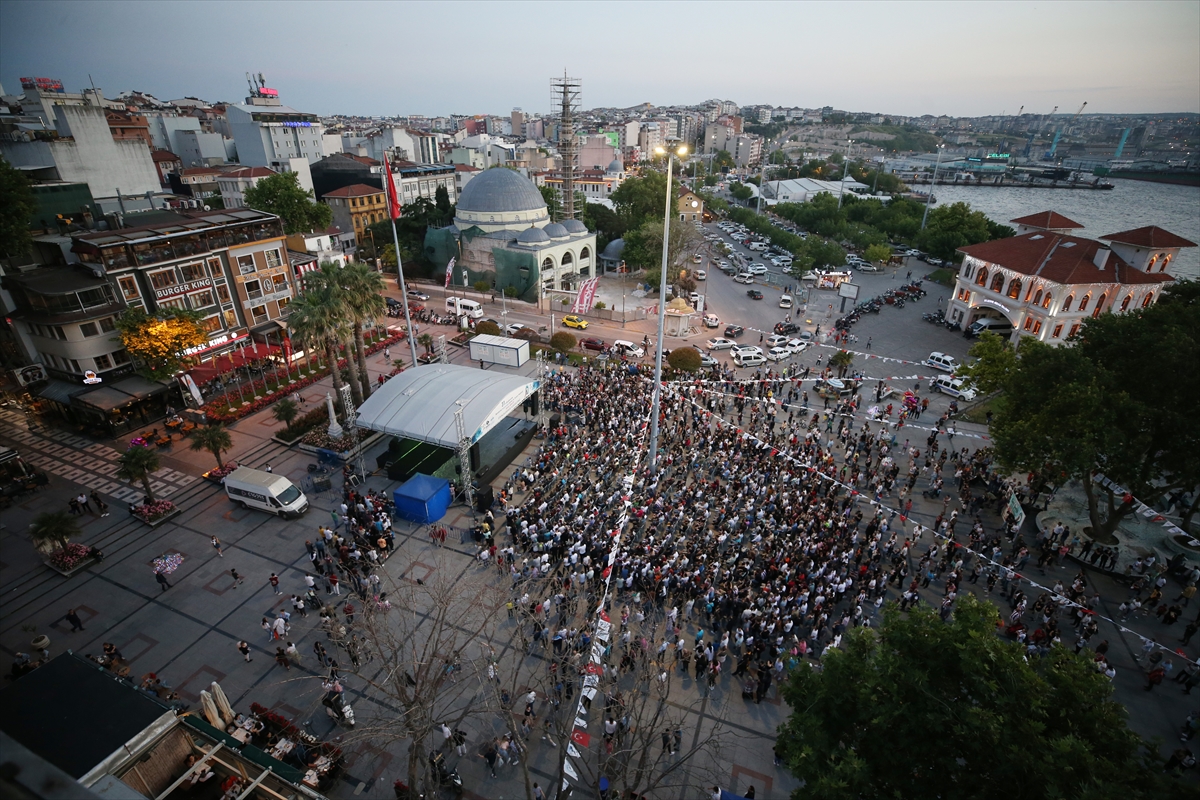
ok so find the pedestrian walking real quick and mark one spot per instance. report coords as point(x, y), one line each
point(216, 543)
point(281, 659)
point(334, 588)
point(292, 653)
point(869, 342)
point(244, 649)
point(319, 652)
point(237, 579)
point(73, 618)
point(82, 499)
point(101, 506)
point(267, 626)
point(274, 581)
point(460, 742)
point(73, 506)
point(162, 581)
point(489, 755)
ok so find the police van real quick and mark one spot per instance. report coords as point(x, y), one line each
point(253, 488)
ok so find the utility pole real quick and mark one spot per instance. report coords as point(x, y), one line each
point(929, 198)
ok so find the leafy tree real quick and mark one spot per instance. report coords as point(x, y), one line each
point(723, 159)
point(415, 219)
point(686, 359)
point(1120, 400)
point(990, 723)
point(283, 196)
point(643, 246)
point(842, 359)
point(426, 341)
point(481, 286)
point(318, 319)
point(362, 294)
point(510, 291)
point(138, 464)
point(878, 253)
point(17, 207)
point(213, 438)
point(53, 530)
point(639, 200)
point(553, 204)
point(441, 199)
point(951, 227)
point(285, 411)
point(157, 342)
point(825, 253)
point(563, 341)
point(741, 191)
point(487, 329)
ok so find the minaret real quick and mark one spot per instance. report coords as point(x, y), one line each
point(566, 95)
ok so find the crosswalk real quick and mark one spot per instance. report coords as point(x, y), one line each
point(84, 462)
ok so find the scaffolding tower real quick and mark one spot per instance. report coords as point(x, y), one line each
point(565, 92)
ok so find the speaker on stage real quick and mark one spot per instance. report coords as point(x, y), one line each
point(483, 498)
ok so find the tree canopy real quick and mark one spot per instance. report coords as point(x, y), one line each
point(956, 225)
point(931, 709)
point(640, 199)
point(17, 207)
point(1119, 399)
point(283, 196)
point(643, 246)
point(156, 342)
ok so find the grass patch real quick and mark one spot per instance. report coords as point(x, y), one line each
point(945, 277)
point(978, 412)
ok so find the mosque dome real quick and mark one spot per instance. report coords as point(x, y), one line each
point(532, 236)
point(614, 250)
point(615, 166)
point(500, 191)
point(574, 226)
point(555, 230)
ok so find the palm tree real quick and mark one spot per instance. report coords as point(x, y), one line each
point(426, 341)
point(138, 464)
point(285, 411)
point(318, 321)
point(327, 282)
point(363, 293)
point(842, 359)
point(53, 530)
point(213, 438)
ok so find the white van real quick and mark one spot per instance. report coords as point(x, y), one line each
point(253, 488)
point(942, 361)
point(955, 387)
point(464, 308)
point(757, 245)
point(785, 301)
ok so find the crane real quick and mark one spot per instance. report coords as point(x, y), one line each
point(1034, 131)
point(1058, 133)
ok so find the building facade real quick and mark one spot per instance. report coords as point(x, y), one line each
point(356, 207)
point(233, 185)
point(1046, 281)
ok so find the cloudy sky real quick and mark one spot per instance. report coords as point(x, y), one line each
point(965, 59)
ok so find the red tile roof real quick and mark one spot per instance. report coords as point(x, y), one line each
point(194, 171)
point(370, 162)
point(357, 190)
point(1060, 258)
point(1150, 236)
point(250, 172)
point(465, 168)
point(1047, 219)
point(163, 155)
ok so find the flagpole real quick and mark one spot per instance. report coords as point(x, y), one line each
point(393, 212)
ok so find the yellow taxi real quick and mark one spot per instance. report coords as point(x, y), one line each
point(572, 321)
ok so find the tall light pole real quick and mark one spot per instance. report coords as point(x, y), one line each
point(845, 172)
point(656, 403)
point(929, 198)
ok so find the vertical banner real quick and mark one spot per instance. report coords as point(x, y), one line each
point(449, 272)
point(586, 297)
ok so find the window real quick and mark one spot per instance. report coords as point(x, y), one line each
point(998, 283)
point(273, 258)
point(1037, 298)
point(283, 303)
point(89, 329)
point(75, 366)
point(214, 266)
point(981, 278)
point(128, 286)
point(259, 313)
point(253, 290)
point(1083, 304)
point(202, 299)
point(1125, 303)
point(1028, 323)
point(1099, 305)
point(120, 357)
point(193, 272)
point(1067, 304)
point(1074, 330)
point(211, 324)
point(223, 293)
point(163, 279)
point(245, 264)
point(59, 333)
point(1037, 327)
point(1046, 300)
point(1014, 289)
point(103, 362)
point(1057, 330)
point(1147, 300)
point(231, 319)
point(174, 302)
point(108, 324)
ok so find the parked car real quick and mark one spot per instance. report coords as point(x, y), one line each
point(778, 354)
point(700, 275)
point(743, 349)
point(719, 344)
point(572, 321)
point(750, 360)
point(942, 361)
point(592, 343)
point(754, 294)
point(955, 387)
point(733, 331)
point(776, 340)
point(783, 328)
point(711, 321)
point(744, 277)
point(867, 266)
point(757, 269)
point(797, 346)
point(417, 294)
point(705, 359)
point(622, 347)
point(512, 328)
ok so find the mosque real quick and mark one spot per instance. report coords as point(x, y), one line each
point(502, 234)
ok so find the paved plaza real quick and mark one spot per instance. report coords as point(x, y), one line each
point(188, 633)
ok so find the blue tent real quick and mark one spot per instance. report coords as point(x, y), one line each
point(422, 499)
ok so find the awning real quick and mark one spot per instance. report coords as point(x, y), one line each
point(270, 326)
point(139, 387)
point(420, 403)
point(207, 370)
point(60, 391)
point(105, 398)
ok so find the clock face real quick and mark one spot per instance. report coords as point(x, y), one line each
point(694, 204)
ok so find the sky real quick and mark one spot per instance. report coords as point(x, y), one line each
point(398, 58)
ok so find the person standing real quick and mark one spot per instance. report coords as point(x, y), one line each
point(319, 652)
point(274, 581)
point(216, 543)
point(162, 581)
point(101, 506)
point(82, 499)
point(281, 659)
point(73, 618)
point(244, 649)
point(333, 584)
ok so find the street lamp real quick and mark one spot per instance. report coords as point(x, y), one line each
point(656, 403)
point(845, 172)
point(929, 198)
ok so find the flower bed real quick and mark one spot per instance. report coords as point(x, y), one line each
point(461, 340)
point(70, 557)
point(219, 411)
point(321, 439)
point(154, 512)
point(215, 475)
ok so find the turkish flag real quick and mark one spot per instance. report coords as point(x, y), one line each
point(390, 187)
point(581, 737)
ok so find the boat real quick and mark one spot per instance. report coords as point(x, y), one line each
point(1183, 176)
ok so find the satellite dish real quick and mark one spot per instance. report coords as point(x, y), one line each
point(207, 207)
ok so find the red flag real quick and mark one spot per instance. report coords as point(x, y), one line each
point(580, 737)
point(390, 187)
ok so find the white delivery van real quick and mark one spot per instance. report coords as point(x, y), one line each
point(464, 308)
point(253, 488)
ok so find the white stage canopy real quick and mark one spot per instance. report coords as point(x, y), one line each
point(420, 403)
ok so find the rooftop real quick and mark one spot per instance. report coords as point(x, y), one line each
point(1060, 258)
point(1150, 236)
point(1048, 219)
point(354, 190)
point(194, 221)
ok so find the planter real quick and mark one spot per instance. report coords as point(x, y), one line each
point(79, 567)
point(154, 523)
point(461, 340)
point(428, 358)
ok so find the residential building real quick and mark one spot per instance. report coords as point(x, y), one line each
point(462, 176)
point(595, 185)
point(689, 206)
point(1045, 280)
point(407, 144)
point(355, 207)
point(422, 180)
point(344, 169)
point(233, 185)
point(41, 97)
point(166, 164)
point(199, 182)
point(318, 247)
point(127, 125)
point(267, 132)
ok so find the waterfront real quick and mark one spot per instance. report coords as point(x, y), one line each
point(1131, 204)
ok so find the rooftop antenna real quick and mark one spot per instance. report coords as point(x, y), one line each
point(261, 80)
point(250, 83)
point(94, 92)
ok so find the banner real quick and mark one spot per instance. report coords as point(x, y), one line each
point(390, 186)
point(586, 297)
point(449, 273)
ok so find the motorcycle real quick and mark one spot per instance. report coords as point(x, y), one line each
point(443, 776)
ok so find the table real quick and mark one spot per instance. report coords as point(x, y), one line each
point(242, 735)
point(282, 748)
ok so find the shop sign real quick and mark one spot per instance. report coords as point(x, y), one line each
point(1001, 306)
point(30, 374)
point(218, 341)
point(182, 288)
point(91, 378)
